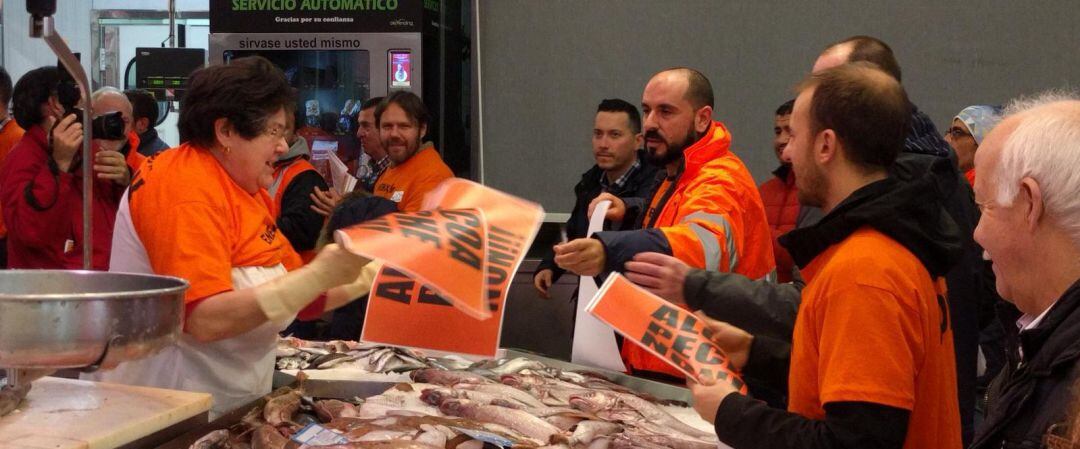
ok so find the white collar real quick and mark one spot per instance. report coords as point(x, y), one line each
point(1027, 322)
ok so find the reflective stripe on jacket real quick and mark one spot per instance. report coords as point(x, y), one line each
point(710, 216)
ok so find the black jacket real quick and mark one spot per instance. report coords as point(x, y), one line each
point(636, 193)
point(300, 224)
point(150, 144)
point(910, 212)
point(769, 308)
point(1031, 395)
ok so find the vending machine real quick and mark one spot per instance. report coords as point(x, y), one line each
point(335, 53)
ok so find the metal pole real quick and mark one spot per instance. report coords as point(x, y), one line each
point(442, 76)
point(172, 23)
point(46, 29)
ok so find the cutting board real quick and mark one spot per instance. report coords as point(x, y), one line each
point(77, 414)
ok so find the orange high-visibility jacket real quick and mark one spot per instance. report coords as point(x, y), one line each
point(709, 216)
point(283, 177)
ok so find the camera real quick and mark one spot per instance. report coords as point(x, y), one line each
point(106, 126)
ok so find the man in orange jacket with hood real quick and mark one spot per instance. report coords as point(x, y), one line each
point(707, 212)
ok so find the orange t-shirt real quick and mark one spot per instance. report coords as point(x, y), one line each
point(198, 224)
point(408, 183)
point(874, 327)
point(9, 135)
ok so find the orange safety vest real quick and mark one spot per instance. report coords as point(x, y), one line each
point(10, 134)
point(283, 176)
point(134, 159)
point(713, 218)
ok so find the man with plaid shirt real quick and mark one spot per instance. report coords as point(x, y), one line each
point(620, 170)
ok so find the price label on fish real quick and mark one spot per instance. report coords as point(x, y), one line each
point(668, 331)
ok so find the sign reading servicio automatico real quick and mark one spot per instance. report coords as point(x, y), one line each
point(315, 16)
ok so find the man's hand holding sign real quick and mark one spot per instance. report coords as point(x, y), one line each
point(671, 333)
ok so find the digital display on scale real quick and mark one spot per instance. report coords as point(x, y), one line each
point(400, 70)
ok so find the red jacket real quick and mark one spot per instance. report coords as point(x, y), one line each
point(710, 217)
point(781, 200)
point(43, 209)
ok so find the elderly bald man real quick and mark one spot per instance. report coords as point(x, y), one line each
point(116, 159)
point(1029, 194)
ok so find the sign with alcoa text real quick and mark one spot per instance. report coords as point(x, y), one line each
point(512, 225)
point(403, 311)
point(316, 16)
point(668, 331)
point(446, 249)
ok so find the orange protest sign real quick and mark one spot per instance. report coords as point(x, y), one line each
point(512, 226)
point(404, 312)
point(668, 331)
point(446, 249)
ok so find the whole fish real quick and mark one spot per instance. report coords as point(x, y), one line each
point(447, 378)
point(594, 401)
point(338, 346)
point(284, 349)
point(331, 360)
point(517, 420)
point(437, 395)
point(506, 392)
point(515, 366)
point(218, 439)
point(398, 363)
point(448, 363)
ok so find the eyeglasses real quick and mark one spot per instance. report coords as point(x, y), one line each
point(957, 133)
point(275, 132)
point(1055, 438)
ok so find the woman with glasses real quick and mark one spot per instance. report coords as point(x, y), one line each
point(201, 212)
point(967, 131)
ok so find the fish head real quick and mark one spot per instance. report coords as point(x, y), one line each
point(423, 375)
point(436, 396)
point(592, 401)
point(513, 380)
point(452, 407)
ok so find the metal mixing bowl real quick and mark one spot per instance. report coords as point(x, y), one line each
point(51, 319)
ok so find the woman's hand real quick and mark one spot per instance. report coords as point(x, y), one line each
point(66, 140)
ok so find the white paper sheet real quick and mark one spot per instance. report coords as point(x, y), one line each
point(340, 178)
point(594, 341)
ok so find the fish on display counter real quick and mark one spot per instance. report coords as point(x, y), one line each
point(453, 404)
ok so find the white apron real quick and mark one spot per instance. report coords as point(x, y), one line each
point(235, 371)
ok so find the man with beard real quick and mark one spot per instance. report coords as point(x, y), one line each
point(706, 212)
point(371, 167)
point(768, 309)
point(779, 193)
point(415, 167)
point(872, 356)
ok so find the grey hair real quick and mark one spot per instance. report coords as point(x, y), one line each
point(107, 90)
point(1045, 146)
